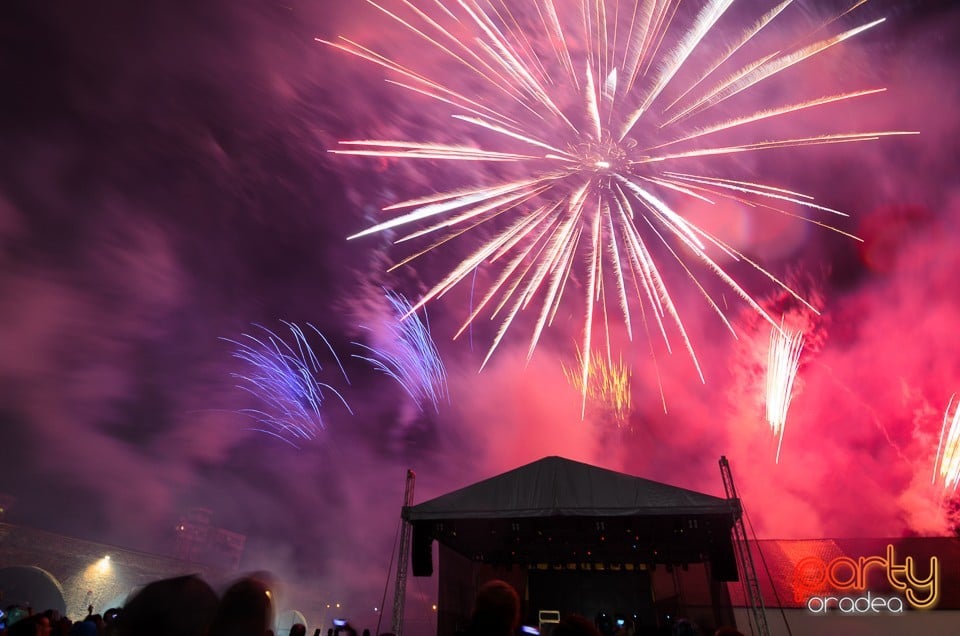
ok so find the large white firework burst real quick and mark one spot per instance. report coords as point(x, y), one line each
point(607, 112)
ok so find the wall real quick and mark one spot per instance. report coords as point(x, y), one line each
point(80, 567)
point(802, 623)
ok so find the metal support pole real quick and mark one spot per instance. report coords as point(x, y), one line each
point(741, 547)
point(400, 590)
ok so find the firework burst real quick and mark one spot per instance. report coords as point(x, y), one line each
point(285, 378)
point(783, 361)
point(602, 115)
point(946, 467)
point(410, 355)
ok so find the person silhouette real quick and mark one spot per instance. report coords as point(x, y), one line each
point(496, 610)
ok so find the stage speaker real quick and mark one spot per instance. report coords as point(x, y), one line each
point(723, 565)
point(421, 553)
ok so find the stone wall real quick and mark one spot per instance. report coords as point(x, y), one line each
point(85, 575)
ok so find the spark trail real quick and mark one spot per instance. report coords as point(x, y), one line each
point(608, 389)
point(409, 355)
point(783, 361)
point(285, 378)
point(606, 122)
point(946, 468)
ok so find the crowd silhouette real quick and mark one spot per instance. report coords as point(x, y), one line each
point(189, 606)
point(497, 612)
point(179, 606)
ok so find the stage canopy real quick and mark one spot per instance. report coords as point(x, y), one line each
point(558, 512)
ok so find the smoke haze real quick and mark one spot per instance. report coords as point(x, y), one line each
point(165, 184)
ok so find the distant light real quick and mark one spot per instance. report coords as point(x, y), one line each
point(434, 607)
point(106, 558)
point(338, 604)
point(267, 592)
point(376, 609)
point(602, 164)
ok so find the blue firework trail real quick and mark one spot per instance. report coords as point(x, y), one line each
point(410, 356)
point(285, 378)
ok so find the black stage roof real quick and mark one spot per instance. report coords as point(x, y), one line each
point(559, 512)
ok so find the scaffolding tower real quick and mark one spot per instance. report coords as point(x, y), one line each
point(741, 548)
point(400, 588)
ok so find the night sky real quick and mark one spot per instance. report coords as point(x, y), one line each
point(166, 184)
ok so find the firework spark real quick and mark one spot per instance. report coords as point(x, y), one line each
point(946, 468)
point(599, 112)
point(608, 385)
point(410, 356)
point(783, 360)
point(284, 378)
